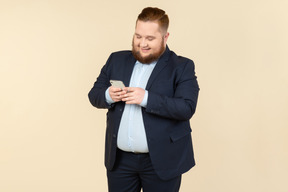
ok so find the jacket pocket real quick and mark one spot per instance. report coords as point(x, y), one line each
point(177, 135)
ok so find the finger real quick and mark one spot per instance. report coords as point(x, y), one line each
point(126, 98)
point(130, 102)
point(115, 89)
point(118, 97)
point(123, 92)
point(129, 89)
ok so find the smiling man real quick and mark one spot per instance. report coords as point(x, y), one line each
point(148, 135)
point(149, 40)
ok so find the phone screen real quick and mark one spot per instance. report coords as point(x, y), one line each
point(117, 83)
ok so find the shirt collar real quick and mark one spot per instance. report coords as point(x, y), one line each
point(153, 63)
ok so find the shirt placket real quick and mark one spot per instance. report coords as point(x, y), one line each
point(139, 71)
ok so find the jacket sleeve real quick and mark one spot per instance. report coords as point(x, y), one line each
point(182, 105)
point(97, 93)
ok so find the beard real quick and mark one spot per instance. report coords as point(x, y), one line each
point(150, 58)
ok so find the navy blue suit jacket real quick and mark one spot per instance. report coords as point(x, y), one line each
point(173, 92)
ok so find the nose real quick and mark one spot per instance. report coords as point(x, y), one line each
point(143, 42)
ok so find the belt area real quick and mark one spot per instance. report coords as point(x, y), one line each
point(135, 152)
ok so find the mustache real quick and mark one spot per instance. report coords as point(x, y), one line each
point(155, 55)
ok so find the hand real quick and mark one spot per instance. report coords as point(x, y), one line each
point(134, 95)
point(116, 94)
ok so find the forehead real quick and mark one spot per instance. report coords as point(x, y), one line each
point(147, 28)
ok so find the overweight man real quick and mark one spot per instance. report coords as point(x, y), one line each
point(148, 135)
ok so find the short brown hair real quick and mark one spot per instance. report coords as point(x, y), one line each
point(155, 14)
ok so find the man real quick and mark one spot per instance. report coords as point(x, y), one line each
point(148, 135)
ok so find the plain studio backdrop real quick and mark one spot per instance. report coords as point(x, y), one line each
point(52, 139)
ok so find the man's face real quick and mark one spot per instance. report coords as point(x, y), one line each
point(148, 42)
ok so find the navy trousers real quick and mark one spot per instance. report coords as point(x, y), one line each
point(133, 172)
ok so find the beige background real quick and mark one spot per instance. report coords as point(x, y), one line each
point(52, 139)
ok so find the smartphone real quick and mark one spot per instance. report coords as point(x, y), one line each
point(117, 83)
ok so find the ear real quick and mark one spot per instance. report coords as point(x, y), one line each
point(166, 37)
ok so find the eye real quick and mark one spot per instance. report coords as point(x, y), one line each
point(150, 38)
point(138, 36)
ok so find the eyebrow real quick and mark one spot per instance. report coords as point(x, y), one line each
point(149, 36)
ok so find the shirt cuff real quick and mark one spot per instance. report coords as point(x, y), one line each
point(145, 100)
point(107, 97)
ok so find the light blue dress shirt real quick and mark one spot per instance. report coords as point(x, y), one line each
point(131, 134)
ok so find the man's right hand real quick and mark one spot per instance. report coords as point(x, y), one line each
point(116, 94)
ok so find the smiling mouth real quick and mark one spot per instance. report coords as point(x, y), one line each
point(145, 49)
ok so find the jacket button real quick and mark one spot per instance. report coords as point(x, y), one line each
point(114, 135)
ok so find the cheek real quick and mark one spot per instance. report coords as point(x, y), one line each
point(136, 41)
point(136, 44)
point(155, 45)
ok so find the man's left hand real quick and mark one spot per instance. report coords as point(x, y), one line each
point(134, 95)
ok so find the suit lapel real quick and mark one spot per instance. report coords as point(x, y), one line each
point(128, 70)
point(161, 64)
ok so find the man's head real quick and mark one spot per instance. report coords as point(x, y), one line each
point(150, 38)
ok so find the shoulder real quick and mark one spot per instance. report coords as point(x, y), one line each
point(125, 53)
point(120, 57)
point(179, 60)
